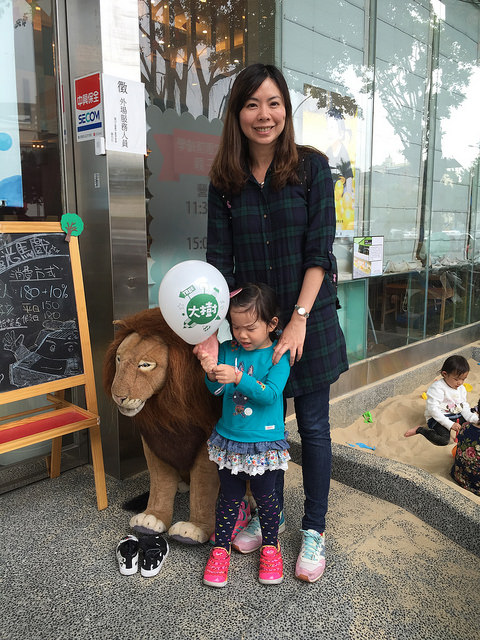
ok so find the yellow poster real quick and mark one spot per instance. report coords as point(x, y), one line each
point(330, 125)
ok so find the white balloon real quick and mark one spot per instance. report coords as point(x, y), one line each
point(193, 298)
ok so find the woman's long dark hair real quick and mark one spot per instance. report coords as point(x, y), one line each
point(228, 171)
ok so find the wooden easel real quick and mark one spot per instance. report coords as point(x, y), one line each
point(59, 417)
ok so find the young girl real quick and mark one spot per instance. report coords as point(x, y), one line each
point(447, 407)
point(248, 442)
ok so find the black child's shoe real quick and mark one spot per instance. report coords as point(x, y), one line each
point(127, 555)
point(155, 550)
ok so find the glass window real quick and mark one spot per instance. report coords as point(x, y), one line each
point(30, 174)
point(386, 89)
point(456, 78)
point(190, 53)
point(30, 177)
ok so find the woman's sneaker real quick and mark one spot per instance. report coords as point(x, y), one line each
point(127, 555)
point(311, 559)
point(155, 550)
point(216, 571)
point(244, 517)
point(271, 565)
point(250, 538)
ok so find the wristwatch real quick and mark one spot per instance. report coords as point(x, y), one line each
point(301, 311)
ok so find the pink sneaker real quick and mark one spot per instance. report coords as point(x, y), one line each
point(250, 538)
point(244, 517)
point(311, 559)
point(271, 565)
point(216, 571)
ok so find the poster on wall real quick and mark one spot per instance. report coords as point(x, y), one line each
point(332, 128)
point(367, 256)
point(11, 193)
point(125, 127)
point(181, 151)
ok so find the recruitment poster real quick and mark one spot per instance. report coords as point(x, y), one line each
point(125, 126)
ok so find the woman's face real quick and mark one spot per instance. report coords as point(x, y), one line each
point(262, 118)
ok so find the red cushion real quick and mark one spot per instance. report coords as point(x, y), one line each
point(44, 423)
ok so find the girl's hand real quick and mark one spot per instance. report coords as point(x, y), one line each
point(225, 373)
point(292, 339)
point(455, 428)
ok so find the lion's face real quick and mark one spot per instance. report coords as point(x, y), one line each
point(141, 366)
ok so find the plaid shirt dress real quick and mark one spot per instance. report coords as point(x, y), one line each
point(264, 235)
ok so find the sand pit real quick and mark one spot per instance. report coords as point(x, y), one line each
point(390, 420)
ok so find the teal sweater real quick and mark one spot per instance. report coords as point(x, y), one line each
point(253, 409)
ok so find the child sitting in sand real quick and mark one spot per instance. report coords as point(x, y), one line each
point(447, 407)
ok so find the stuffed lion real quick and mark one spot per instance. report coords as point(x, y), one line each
point(154, 378)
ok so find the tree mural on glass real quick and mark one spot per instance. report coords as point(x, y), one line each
point(187, 47)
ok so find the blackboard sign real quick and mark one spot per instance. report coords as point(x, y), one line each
point(39, 334)
point(45, 342)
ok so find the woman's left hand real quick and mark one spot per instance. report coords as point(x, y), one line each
point(292, 339)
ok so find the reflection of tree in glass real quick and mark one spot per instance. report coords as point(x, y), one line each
point(331, 101)
point(418, 71)
point(184, 43)
point(402, 84)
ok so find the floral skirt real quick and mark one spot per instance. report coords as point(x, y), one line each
point(249, 457)
point(466, 468)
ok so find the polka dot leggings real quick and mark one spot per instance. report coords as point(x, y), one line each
point(232, 490)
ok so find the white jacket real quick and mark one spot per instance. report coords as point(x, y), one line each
point(442, 399)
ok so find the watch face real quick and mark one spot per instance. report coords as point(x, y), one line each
point(301, 311)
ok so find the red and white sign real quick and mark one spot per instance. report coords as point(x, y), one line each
point(88, 107)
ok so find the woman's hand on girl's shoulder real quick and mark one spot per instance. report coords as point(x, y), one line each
point(292, 339)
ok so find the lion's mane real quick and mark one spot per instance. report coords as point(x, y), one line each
point(178, 418)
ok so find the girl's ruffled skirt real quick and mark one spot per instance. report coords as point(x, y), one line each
point(250, 457)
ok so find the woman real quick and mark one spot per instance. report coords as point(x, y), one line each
point(265, 226)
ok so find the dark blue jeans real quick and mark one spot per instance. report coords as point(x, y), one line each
point(438, 434)
point(313, 423)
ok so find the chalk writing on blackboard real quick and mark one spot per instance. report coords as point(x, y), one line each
point(39, 337)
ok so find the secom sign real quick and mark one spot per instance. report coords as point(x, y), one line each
point(88, 107)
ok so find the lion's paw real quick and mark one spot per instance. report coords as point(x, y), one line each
point(183, 487)
point(147, 523)
point(188, 533)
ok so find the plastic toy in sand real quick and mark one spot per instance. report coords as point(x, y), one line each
point(362, 445)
